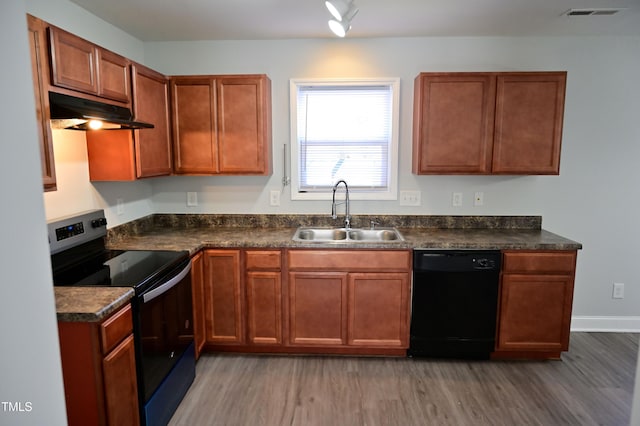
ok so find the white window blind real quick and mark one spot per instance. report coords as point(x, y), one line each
point(344, 131)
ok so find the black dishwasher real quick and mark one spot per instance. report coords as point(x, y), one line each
point(454, 303)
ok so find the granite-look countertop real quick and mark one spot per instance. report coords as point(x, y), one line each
point(89, 304)
point(195, 239)
point(199, 231)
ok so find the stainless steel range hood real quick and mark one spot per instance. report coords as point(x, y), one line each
point(69, 112)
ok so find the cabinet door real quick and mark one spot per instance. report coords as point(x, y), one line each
point(535, 312)
point(113, 76)
point(223, 297)
point(264, 307)
point(197, 280)
point(378, 309)
point(151, 105)
point(244, 125)
point(528, 125)
point(193, 108)
point(453, 123)
point(40, 74)
point(318, 308)
point(121, 388)
point(73, 62)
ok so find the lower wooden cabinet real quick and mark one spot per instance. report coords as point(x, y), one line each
point(328, 301)
point(99, 371)
point(264, 297)
point(318, 308)
point(349, 298)
point(377, 307)
point(224, 309)
point(536, 297)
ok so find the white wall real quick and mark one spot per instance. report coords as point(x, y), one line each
point(592, 201)
point(30, 371)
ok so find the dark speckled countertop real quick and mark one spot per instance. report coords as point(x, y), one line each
point(195, 232)
point(195, 239)
point(89, 304)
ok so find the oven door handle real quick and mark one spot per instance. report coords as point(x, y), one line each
point(166, 286)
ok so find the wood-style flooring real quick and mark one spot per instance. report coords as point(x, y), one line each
point(592, 385)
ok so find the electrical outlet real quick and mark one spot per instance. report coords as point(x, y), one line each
point(478, 200)
point(274, 198)
point(120, 206)
point(409, 198)
point(192, 199)
point(618, 291)
point(456, 199)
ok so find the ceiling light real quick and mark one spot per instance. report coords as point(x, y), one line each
point(340, 28)
point(341, 9)
point(95, 124)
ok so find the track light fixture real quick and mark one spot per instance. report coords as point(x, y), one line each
point(343, 12)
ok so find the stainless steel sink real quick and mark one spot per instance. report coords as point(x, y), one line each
point(344, 235)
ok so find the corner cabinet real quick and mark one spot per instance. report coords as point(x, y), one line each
point(242, 298)
point(40, 73)
point(536, 297)
point(488, 123)
point(99, 371)
point(125, 155)
point(221, 124)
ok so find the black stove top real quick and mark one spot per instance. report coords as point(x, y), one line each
point(79, 256)
point(132, 268)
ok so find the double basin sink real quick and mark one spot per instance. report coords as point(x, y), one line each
point(347, 235)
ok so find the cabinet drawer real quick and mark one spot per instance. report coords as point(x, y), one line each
point(115, 329)
point(351, 260)
point(539, 262)
point(264, 260)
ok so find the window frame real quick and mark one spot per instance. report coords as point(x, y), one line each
point(392, 190)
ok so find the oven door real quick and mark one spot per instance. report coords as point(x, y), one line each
point(164, 320)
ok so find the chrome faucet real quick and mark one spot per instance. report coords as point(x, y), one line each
point(334, 215)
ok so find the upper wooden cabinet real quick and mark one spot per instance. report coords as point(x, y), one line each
point(151, 105)
point(80, 65)
point(488, 123)
point(122, 155)
point(40, 72)
point(222, 124)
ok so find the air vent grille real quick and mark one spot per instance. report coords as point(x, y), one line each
point(592, 12)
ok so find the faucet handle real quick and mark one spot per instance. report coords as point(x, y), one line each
point(373, 223)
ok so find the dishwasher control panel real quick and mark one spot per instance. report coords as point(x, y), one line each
point(456, 260)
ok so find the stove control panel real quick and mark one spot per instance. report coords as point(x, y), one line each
point(71, 231)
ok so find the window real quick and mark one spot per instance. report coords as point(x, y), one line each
point(344, 129)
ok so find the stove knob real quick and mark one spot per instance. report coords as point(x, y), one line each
point(97, 223)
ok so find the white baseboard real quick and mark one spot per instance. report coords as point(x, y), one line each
point(606, 324)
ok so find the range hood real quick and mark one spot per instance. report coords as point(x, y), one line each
point(69, 112)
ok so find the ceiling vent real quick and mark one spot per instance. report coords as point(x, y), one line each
point(591, 12)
